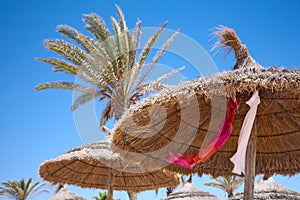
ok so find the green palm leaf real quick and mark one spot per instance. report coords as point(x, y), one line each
point(61, 85)
point(96, 26)
point(60, 65)
point(106, 113)
point(157, 84)
point(69, 51)
point(84, 98)
point(21, 190)
point(159, 55)
point(149, 45)
point(227, 183)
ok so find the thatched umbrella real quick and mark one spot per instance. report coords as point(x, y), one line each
point(64, 194)
point(169, 121)
point(189, 192)
point(96, 166)
point(269, 189)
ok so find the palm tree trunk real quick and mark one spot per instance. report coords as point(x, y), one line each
point(110, 192)
point(119, 111)
point(132, 195)
point(230, 193)
point(120, 102)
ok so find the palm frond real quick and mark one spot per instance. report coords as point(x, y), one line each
point(116, 30)
point(106, 114)
point(136, 39)
point(99, 59)
point(148, 87)
point(26, 186)
point(156, 85)
point(69, 51)
point(126, 41)
point(226, 183)
point(35, 190)
point(159, 55)
point(60, 65)
point(220, 186)
point(8, 193)
point(142, 58)
point(61, 85)
point(69, 32)
point(91, 73)
point(21, 189)
point(123, 25)
point(117, 45)
point(237, 181)
point(96, 26)
point(149, 45)
point(99, 54)
point(100, 77)
point(84, 98)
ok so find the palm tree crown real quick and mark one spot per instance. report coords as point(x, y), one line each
point(227, 183)
point(101, 196)
point(109, 62)
point(21, 190)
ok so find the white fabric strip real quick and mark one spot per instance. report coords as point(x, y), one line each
point(239, 157)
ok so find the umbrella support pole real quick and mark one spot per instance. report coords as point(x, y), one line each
point(110, 185)
point(250, 166)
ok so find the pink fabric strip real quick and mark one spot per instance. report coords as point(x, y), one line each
point(219, 139)
point(238, 158)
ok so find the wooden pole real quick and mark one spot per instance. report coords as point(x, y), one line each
point(250, 166)
point(110, 192)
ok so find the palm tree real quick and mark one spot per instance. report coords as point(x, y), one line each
point(21, 190)
point(101, 196)
point(227, 183)
point(109, 63)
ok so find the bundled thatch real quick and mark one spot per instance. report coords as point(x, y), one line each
point(188, 192)
point(65, 194)
point(178, 119)
point(87, 166)
point(269, 189)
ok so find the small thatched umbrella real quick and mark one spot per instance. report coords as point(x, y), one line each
point(96, 166)
point(171, 117)
point(64, 194)
point(189, 192)
point(269, 189)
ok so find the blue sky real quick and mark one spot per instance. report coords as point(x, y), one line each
point(35, 126)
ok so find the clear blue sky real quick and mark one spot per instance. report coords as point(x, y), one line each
point(35, 126)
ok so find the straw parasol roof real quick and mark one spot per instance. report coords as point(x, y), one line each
point(171, 117)
point(65, 194)
point(189, 192)
point(86, 166)
point(269, 189)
